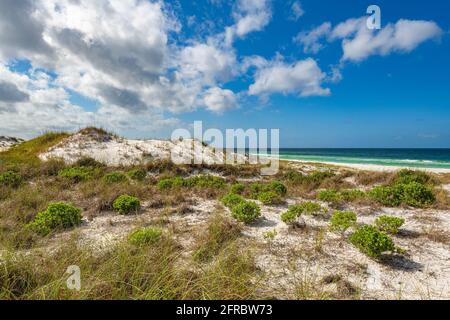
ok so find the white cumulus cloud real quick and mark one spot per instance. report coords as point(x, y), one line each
point(219, 100)
point(303, 78)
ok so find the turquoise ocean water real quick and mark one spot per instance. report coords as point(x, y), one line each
point(419, 158)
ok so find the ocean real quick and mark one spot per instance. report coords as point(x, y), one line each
point(419, 158)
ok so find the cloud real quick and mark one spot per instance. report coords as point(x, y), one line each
point(296, 11)
point(208, 63)
point(219, 100)
point(11, 94)
point(310, 40)
point(303, 78)
point(21, 31)
point(114, 52)
point(404, 36)
point(360, 42)
point(249, 16)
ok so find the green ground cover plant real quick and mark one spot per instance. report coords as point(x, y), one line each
point(126, 204)
point(57, 216)
point(145, 236)
point(371, 241)
point(246, 212)
point(389, 224)
point(342, 220)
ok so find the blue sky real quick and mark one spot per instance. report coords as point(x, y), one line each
point(236, 65)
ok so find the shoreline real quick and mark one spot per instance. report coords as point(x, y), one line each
point(371, 167)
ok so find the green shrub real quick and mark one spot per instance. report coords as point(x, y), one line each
point(137, 174)
point(255, 189)
point(289, 217)
point(246, 212)
point(413, 194)
point(237, 188)
point(205, 182)
point(294, 176)
point(352, 195)
point(278, 188)
point(114, 177)
point(165, 184)
point(371, 241)
point(297, 209)
point(342, 220)
point(317, 177)
point(407, 176)
point(417, 195)
point(126, 204)
point(389, 224)
point(232, 200)
point(191, 182)
point(388, 196)
point(59, 215)
point(330, 195)
point(175, 182)
point(89, 162)
point(10, 179)
point(145, 236)
point(311, 208)
point(270, 198)
point(76, 174)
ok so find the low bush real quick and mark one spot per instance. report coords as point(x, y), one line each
point(237, 188)
point(389, 224)
point(317, 177)
point(137, 174)
point(89, 162)
point(145, 236)
point(10, 179)
point(191, 182)
point(205, 182)
point(126, 204)
point(417, 195)
point(311, 208)
point(232, 200)
point(329, 195)
point(278, 188)
point(386, 195)
point(290, 217)
point(114, 177)
point(407, 176)
point(371, 241)
point(413, 194)
point(246, 212)
point(59, 215)
point(352, 195)
point(293, 176)
point(270, 198)
point(76, 174)
point(342, 220)
point(257, 188)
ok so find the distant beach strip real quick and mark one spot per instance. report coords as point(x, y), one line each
point(436, 160)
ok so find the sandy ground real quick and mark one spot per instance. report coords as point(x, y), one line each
point(299, 260)
point(119, 151)
point(374, 167)
point(8, 142)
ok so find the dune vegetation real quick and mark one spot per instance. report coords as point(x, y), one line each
point(156, 230)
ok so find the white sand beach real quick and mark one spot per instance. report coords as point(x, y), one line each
point(374, 167)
